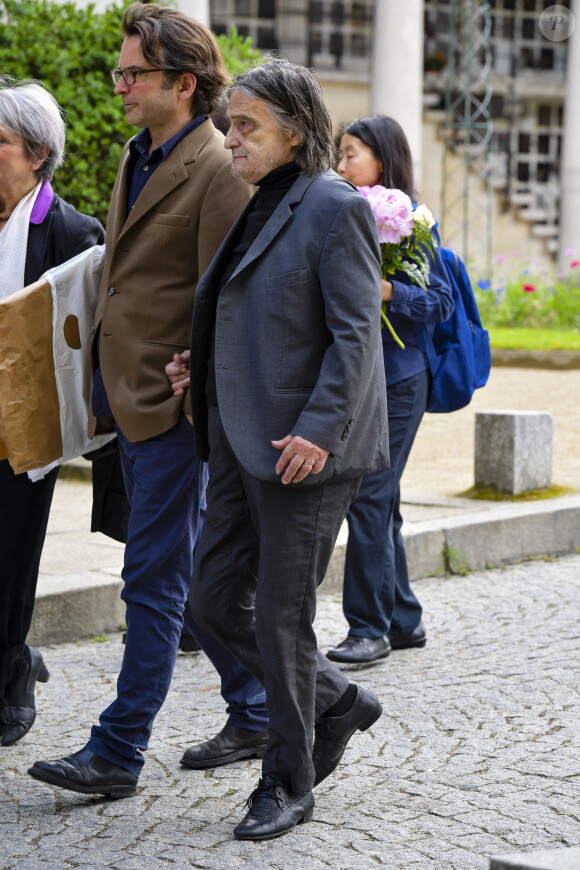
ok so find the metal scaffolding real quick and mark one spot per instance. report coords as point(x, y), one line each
point(466, 195)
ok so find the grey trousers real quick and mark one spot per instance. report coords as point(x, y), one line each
point(264, 549)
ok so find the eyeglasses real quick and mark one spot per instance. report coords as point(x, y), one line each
point(130, 74)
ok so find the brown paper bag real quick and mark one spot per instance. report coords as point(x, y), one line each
point(29, 410)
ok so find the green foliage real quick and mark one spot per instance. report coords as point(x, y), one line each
point(525, 294)
point(71, 50)
point(237, 51)
point(410, 255)
point(550, 305)
point(453, 561)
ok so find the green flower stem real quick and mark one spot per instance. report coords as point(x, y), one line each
point(391, 330)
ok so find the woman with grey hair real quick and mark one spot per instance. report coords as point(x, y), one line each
point(38, 231)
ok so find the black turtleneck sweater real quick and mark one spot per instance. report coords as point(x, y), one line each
point(271, 191)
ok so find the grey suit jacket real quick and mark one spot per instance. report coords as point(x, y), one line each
point(297, 335)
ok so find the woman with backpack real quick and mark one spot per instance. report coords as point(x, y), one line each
point(382, 611)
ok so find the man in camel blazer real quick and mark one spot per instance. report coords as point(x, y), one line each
point(153, 259)
point(173, 202)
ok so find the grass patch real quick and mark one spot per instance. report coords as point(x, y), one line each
point(528, 338)
point(492, 493)
point(452, 560)
point(531, 305)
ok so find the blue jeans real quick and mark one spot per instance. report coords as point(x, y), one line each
point(377, 596)
point(165, 484)
point(245, 697)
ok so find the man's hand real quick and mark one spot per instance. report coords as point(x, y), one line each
point(178, 372)
point(299, 458)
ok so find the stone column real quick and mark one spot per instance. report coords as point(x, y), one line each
point(292, 31)
point(570, 166)
point(198, 9)
point(397, 69)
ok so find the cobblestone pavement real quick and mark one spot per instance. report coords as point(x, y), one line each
point(478, 752)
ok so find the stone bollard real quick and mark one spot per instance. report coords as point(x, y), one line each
point(549, 859)
point(513, 450)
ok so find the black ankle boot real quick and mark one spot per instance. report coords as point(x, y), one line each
point(18, 711)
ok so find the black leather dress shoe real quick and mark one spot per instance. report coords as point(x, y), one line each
point(417, 637)
point(273, 811)
point(231, 744)
point(332, 733)
point(357, 650)
point(187, 643)
point(18, 711)
point(87, 773)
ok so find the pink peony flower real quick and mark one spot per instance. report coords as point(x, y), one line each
point(570, 252)
point(574, 264)
point(393, 212)
point(529, 288)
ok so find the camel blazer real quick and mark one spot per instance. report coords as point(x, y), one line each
point(297, 335)
point(153, 261)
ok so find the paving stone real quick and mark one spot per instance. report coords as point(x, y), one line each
point(477, 752)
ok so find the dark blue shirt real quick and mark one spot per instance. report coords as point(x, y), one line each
point(142, 165)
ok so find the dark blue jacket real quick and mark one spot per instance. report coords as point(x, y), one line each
point(412, 311)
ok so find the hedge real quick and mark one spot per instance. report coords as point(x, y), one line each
point(71, 50)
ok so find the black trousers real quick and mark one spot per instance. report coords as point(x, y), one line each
point(24, 510)
point(264, 549)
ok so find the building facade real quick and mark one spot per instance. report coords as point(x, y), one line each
point(391, 56)
point(528, 81)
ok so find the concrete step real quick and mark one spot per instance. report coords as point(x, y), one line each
point(442, 535)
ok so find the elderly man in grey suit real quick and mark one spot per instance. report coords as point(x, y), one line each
point(288, 400)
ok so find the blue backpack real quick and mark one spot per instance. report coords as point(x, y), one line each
point(459, 353)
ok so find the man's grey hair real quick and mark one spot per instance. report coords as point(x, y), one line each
point(32, 113)
point(295, 98)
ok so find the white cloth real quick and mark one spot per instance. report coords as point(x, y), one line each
point(75, 285)
point(39, 473)
point(13, 245)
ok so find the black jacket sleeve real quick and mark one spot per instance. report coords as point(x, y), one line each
point(63, 234)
